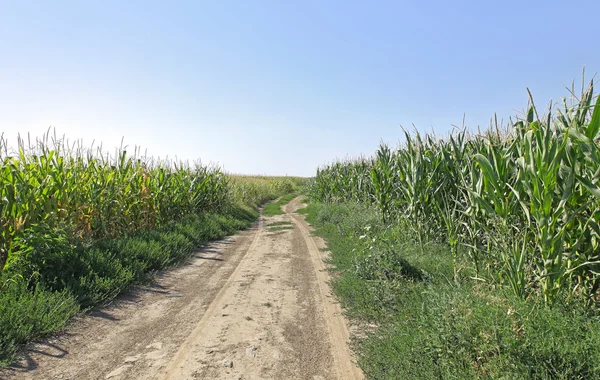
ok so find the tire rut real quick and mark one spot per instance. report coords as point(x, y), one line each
point(253, 306)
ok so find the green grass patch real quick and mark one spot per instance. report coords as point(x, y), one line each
point(303, 211)
point(285, 223)
point(432, 327)
point(280, 228)
point(27, 314)
point(53, 276)
point(274, 208)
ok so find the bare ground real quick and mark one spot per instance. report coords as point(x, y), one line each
point(252, 306)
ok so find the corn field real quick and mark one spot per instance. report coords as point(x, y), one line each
point(256, 190)
point(518, 205)
point(97, 195)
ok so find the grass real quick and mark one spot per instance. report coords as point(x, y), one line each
point(420, 323)
point(274, 208)
point(27, 314)
point(280, 228)
point(302, 211)
point(274, 224)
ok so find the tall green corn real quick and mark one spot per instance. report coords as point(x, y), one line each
point(521, 203)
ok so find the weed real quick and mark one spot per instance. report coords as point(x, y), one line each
point(274, 208)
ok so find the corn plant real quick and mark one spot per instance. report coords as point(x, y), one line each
point(97, 195)
point(523, 201)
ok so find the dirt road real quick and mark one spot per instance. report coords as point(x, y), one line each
point(252, 306)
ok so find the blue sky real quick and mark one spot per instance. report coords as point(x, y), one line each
point(280, 87)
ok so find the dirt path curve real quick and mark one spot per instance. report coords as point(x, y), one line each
point(252, 306)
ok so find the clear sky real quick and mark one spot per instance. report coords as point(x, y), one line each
point(281, 87)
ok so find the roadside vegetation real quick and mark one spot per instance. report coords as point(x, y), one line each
point(475, 255)
point(78, 226)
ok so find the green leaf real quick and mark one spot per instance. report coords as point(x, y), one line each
point(569, 174)
point(490, 174)
point(590, 186)
point(594, 126)
point(522, 203)
point(530, 114)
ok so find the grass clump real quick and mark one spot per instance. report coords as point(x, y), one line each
point(274, 208)
point(302, 211)
point(284, 223)
point(280, 228)
point(27, 314)
point(432, 324)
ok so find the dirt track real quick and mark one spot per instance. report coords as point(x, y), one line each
point(252, 306)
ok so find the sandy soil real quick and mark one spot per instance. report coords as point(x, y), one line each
point(252, 306)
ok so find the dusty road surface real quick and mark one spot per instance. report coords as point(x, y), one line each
point(252, 306)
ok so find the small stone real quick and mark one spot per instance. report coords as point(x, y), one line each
point(117, 372)
point(131, 359)
point(155, 345)
point(251, 352)
point(228, 363)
